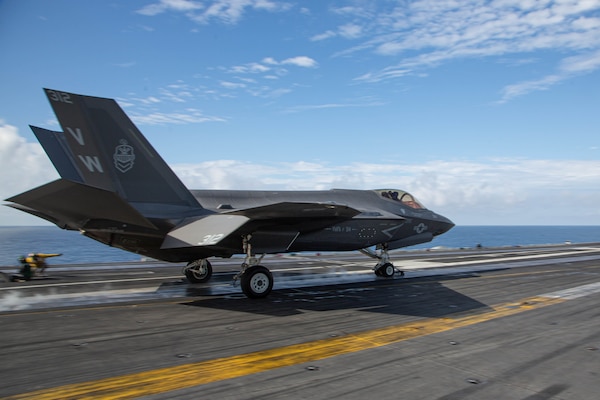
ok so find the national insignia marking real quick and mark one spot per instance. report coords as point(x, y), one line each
point(420, 228)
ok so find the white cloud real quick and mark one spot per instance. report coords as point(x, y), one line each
point(148, 100)
point(569, 67)
point(232, 85)
point(23, 166)
point(350, 31)
point(518, 89)
point(509, 191)
point(268, 92)
point(190, 116)
point(272, 5)
point(360, 102)
point(300, 61)
point(347, 31)
point(231, 11)
point(423, 34)
point(323, 36)
point(170, 5)
point(581, 63)
point(387, 73)
point(226, 11)
point(264, 75)
point(365, 10)
point(268, 63)
point(144, 110)
point(250, 68)
point(440, 31)
point(496, 191)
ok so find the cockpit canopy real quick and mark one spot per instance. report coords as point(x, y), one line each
point(403, 197)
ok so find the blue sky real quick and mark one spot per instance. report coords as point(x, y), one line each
point(488, 111)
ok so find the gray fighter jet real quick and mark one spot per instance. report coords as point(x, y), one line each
point(115, 188)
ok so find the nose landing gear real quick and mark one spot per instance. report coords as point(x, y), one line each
point(384, 267)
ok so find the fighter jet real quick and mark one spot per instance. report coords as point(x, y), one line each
point(115, 188)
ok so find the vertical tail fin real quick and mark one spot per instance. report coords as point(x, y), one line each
point(109, 152)
point(57, 149)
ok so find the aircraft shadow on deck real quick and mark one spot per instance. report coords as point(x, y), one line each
point(422, 297)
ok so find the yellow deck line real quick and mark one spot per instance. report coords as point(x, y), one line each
point(194, 374)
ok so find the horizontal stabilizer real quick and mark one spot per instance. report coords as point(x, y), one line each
point(72, 204)
point(39, 214)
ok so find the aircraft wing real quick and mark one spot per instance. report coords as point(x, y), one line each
point(73, 205)
point(273, 227)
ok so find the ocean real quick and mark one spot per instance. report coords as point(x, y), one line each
point(16, 241)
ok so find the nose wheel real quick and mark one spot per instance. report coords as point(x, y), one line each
point(384, 267)
point(387, 270)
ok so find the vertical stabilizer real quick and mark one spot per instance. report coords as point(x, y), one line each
point(57, 149)
point(109, 152)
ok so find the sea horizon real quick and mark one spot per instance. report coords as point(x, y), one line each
point(19, 240)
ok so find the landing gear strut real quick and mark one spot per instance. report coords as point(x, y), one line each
point(384, 267)
point(256, 281)
point(198, 271)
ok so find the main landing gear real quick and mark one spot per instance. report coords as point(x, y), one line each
point(384, 267)
point(198, 271)
point(256, 281)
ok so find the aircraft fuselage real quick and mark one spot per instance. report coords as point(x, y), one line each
point(380, 219)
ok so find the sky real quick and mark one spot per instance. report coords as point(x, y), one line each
point(487, 111)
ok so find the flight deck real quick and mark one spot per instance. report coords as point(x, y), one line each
point(510, 323)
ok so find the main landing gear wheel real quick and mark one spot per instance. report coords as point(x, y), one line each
point(257, 282)
point(198, 271)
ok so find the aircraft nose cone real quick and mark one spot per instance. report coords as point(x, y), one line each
point(444, 226)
